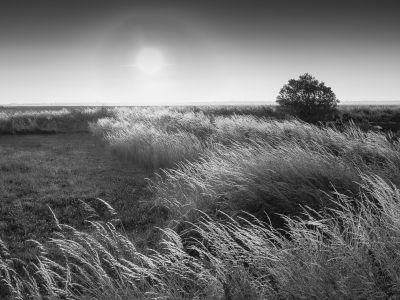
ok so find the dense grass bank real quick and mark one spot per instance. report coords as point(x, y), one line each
point(274, 178)
point(245, 163)
point(217, 128)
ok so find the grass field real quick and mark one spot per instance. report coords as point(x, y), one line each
point(61, 172)
point(186, 203)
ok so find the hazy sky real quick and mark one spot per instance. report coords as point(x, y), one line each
point(209, 50)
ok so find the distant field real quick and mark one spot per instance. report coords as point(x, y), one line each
point(52, 120)
point(14, 119)
point(199, 203)
point(40, 108)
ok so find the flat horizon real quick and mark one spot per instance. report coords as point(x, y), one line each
point(200, 103)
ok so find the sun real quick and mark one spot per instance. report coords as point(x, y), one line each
point(150, 61)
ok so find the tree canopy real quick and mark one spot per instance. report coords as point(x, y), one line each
point(308, 99)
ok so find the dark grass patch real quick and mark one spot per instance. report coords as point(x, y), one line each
point(63, 172)
point(64, 120)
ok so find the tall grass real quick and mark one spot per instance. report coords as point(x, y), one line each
point(50, 121)
point(154, 148)
point(140, 127)
point(155, 138)
point(272, 166)
point(245, 163)
point(260, 111)
point(147, 145)
point(346, 253)
point(256, 178)
point(167, 119)
point(266, 209)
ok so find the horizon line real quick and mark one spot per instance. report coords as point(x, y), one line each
point(191, 103)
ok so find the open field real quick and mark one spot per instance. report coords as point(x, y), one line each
point(61, 172)
point(235, 206)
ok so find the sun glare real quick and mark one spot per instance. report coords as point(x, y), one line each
point(150, 61)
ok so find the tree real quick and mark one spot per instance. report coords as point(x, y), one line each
point(308, 99)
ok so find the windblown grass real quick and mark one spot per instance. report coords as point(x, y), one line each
point(245, 163)
point(266, 209)
point(347, 253)
point(272, 166)
point(155, 138)
point(140, 127)
point(261, 111)
point(168, 120)
point(146, 145)
point(256, 178)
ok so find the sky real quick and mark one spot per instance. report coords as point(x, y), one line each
point(184, 52)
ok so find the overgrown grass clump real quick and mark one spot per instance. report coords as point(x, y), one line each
point(155, 138)
point(153, 148)
point(346, 253)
